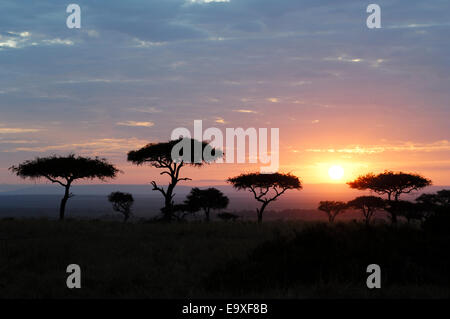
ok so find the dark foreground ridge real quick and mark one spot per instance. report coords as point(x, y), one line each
point(220, 260)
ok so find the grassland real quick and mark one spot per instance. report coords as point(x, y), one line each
point(219, 260)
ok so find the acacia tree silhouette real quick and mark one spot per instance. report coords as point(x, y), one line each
point(261, 186)
point(392, 184)
point(64, 170)
point(435, 210)
point(369, 205)
point(162, 155)
point(332, 209)
point(440, 198)
point(207, 199)
point(122, 203)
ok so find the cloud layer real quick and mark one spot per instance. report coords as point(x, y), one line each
point(138, 69)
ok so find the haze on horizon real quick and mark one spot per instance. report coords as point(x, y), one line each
point(341, 94)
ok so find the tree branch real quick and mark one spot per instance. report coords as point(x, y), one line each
point(54, 180)
point(156, 188)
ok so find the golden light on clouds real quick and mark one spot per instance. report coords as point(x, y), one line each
point(136, 124)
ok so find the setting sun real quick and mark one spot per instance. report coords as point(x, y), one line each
point(336, 172)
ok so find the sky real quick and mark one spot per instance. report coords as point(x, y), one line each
point(340, 93)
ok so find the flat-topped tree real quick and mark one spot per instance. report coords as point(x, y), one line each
point(122, 203)
point(266, 188)
point(435, 204)
point(64, 170)
point(332, 209)
point(391, 184)
point(207, 199)
point(368, 205)
point(441, 198)
point(171, 157)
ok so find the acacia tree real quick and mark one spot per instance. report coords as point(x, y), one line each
point(122, 203)
point(266, 188)
point(369, 205)
point(207, 199)
point(391, 184)
point(64, 170)
point(171, 157)
point(437, 204)
point(435, 210)
point(332, 209)
point(440, 198)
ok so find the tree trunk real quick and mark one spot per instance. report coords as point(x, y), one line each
point(207, 215)
point(126, 215)
point(393, 218)
point(168, 205)
point(366, 214)
point(392, 211)
point(331, 218)
point(62, 207)
point(260, 211)
point(367, 220)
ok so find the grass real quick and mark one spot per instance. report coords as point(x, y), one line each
point(219, 260)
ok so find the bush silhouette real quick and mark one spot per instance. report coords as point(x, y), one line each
point(227, 216)
point(181, 211)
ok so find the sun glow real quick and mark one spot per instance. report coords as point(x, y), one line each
point(336, 172)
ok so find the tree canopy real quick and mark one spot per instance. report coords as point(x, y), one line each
point(64, 170)
point(61, 169)
point(122, 203)
point(369, 205)
point(171, 156)
point(207, 199)
point(332, 209)
point(390, 183)
point(265, 188)
point(161, 154)
point(266, 181)
point(440, 198)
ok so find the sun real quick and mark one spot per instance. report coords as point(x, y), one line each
point(336, 172)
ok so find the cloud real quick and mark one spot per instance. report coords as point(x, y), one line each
point(150, 109)
point(300, 83)
point(23, 39)
point(136, 124)
point(23, 34)
point(17, 130)
point(343, 58)
point(2, 141)
point(245, 111)
point(107, 146)
point(58, 41)
point(206, 1)
point(437, 146)
point(8, 43)
point(147, 44)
